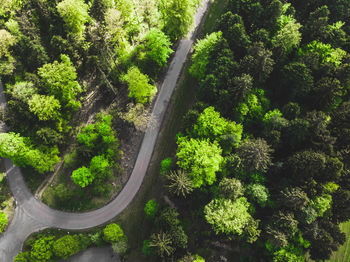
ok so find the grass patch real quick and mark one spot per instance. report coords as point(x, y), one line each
point(343, 254)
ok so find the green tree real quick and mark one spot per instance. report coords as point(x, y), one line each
point(44, 107)
point(163, 244)
point(255, 155)
point(259, 193)
point(120, 247)
point(151, 208)
point(230, 188)
point(3, 221)
point(200, 58)
point(166, 164)
point(66, 246)
point(275, 120)
point(23, 257)
point(113, 233)
point(201, 158)
point(178, 17)
point(7, 62)
point(139, 87)
point(75, 13)
point(100, 167)
point(59, 80)
point(288, 37)
point(42, 249)
point(179, 183)
point(157, 46)
point(211, 125)
point(227, 216)
point(321, 204)
point(83, 176)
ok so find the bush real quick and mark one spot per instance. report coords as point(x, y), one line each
point(120, 247)
point(66, 246)
point(166, 164)
point(113, 233)
point(151, 208)
point(146, 249)
point(22, 257)
point(3, 221)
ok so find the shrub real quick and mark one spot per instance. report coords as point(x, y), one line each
point(113, 233)
point(166, 164)
point(151, 208)
point(146, 249)
point(3, 221)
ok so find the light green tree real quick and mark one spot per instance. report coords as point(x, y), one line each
point(83, 176)
point(200, 58)
point(259, 193)
point(179, 183)
point(288, 37)
point(3, 221)
point(6, 60)
point(227, 216)
point(42, 249)
point(75, 13)
point(139, 87)
point(66, 246)
point(59, 80)
point(113, 233)
point(200, 158)
point(21, 91)
point(211, 125)
point(157, 46)
point(44, 107)
point(163, 244)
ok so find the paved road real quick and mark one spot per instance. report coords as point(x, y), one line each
point(31, 215)
point(94, 254)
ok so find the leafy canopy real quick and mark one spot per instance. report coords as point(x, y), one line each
point(83, 176)
point(201, 158)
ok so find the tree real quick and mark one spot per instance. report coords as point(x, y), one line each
point(113, 233)
point(45, 107)
point(242, 85)
point(201, 158)
point(7, 62)
point(151, 208)
point(83, 176)
point(75, 15)
point(139, 87)
point(66, 246)
point(100, 167)
point(166, 164)
point(258, 62)
point(157, 46)
point(21, 90)
point(294, 198)
point(3, 221)
point(230, 188)
point(255, 155)
point(179, 183)
point(19, 150)
point(211, 125)
point(200, 58)
point(120, 247)
point(259, 193)
point(227, 216)
point(22, 257)
point(163, 244)
point(42, 249)
point(275, 120)
point(59, 80)
point(233, 30)
point(288, 37)
point(178, 17)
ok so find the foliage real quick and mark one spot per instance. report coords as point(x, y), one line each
point(200, 58)
point(20, 151)
point(59, 80)
point(113, 233)
point(75, 15)
point(201, 158)
point(66, 246)
point(151, 208)
point(44, 107)
point(231, 188)
point(42, 249)
point(157, 46)
point(146, 248)
point(120, 247)
point(3, 221)
point(227, 216)
point(179, 183)
point(255, 155)
point(258, 193)
point(163, 244)
point(139, 87)
point(166, 164)
point(83, 176)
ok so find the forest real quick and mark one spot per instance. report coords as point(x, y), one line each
point(262, 165)
point(261, 170)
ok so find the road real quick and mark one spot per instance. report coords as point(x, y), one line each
point(31, 215)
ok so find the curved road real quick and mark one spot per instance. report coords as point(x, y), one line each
point(31, 215)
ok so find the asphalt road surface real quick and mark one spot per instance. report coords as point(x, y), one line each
point(31, 215)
